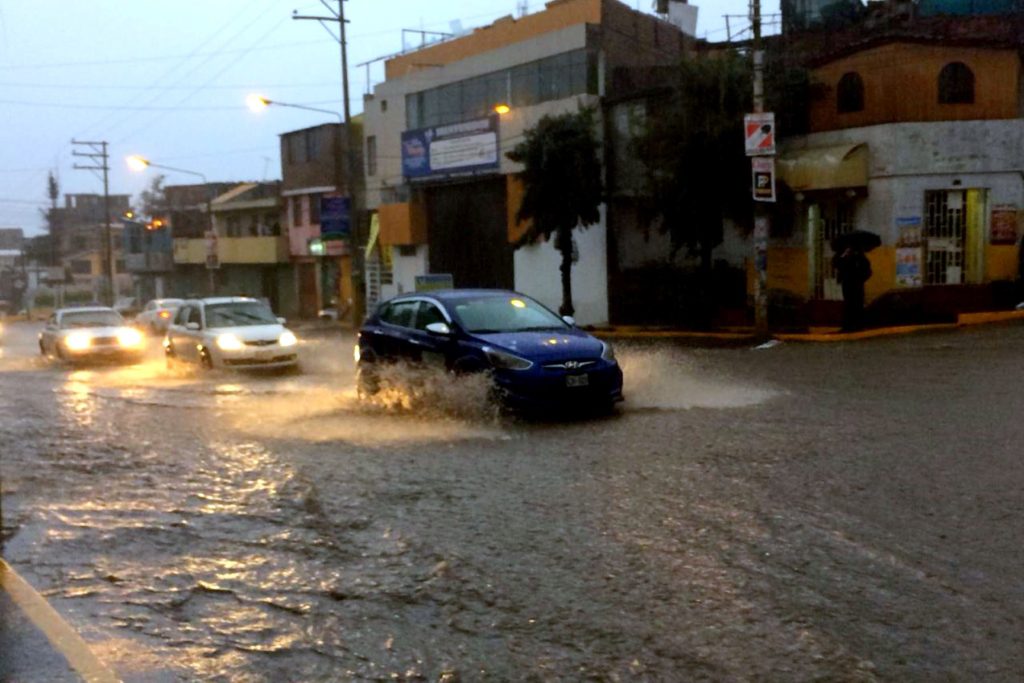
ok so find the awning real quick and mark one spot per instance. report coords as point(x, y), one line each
point(824, 168)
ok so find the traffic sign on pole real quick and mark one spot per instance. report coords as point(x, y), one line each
point(759, 133)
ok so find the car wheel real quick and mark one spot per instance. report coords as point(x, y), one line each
point(467, 365)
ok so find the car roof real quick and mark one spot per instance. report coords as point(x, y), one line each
point(85, 309)
point(447, 295)
point(213, 300)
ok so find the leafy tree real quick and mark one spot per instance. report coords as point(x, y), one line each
point(154, 198)
point(562, 185)
point(47, 250)
point(697, 171)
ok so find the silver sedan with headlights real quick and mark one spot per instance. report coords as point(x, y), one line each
point(90, 334)
point(231, 333)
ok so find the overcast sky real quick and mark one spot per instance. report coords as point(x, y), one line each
point(168, 80)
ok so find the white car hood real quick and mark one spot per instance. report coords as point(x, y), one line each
point(248, 333)
point(93, 331)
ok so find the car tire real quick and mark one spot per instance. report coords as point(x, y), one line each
point(467, 365)
point(367, 381)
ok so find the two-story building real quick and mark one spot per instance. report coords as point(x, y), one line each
point(437, 130)
point(917, 134)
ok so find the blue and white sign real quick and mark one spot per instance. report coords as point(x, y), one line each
point(457, 149)
point(335, 217)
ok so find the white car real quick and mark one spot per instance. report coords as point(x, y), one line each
point(230, 332)
point(90, 333)
point(157, 315)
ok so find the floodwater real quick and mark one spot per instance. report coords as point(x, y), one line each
point(720, 526)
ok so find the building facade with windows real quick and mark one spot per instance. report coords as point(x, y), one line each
point(917, 134)
point(443, 195)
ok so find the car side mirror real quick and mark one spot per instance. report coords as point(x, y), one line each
point(440, 329)
point(192, 326)
point(569, 320)
point(282, 320)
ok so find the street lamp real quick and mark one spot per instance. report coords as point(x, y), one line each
point(258, 103)
point(140, 163)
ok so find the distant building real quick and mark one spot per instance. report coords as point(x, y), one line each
point(442, 190)
point(916, 134)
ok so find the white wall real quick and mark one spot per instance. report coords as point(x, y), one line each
point(404, 271)
point(537, 274)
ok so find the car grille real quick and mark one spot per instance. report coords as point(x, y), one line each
point(104, 341)
point(570, 365)
point(260, 361)
point(261, 342)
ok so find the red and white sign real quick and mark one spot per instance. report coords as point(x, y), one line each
point(759, 133)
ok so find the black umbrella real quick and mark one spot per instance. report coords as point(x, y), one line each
point(858, 240)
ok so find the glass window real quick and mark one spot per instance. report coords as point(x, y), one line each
point(195, 316)
point(505, 314)
point(850, 93)
point(956, 84)
point(314, 208)
point(474, 99)
point(400, 313)
point(371, 155)
point(450, 104)
point(91, 319)
point(313, 139)
point(431, 110)
point(182, 317)
point(525, 86)
point(428, 314)
point(239, 314)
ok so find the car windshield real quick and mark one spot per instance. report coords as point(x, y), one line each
point(91, 319)
point(505, 314)
point(239, 314)
point(167, 303)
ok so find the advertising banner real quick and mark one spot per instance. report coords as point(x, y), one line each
point(335, 217)
point(764, 178)
point(1004, 224)
point(457, 149)
point(908, 266)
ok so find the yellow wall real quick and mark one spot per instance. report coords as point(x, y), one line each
point(234, 250)
point(901, 83)
point(515, 192)
point(1001, 262)
point(788, 270)
point(402, 224)
point(558, 15)
point(883, 272)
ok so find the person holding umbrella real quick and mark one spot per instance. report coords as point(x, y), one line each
point(852, 270)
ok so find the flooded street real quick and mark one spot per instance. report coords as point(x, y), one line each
point(804, 512)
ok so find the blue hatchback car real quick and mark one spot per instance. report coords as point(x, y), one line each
point(536, 358)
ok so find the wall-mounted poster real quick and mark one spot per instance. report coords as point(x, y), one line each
point(1003, 224)
point(908, 231)
point(908, 267)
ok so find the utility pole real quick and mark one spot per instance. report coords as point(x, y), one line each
point(356, 257)
point(98, 155)
point(761, 218)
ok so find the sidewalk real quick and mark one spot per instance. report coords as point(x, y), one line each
point(743, 336)
point(36, 644)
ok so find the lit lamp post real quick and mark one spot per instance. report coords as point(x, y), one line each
point(139, 163)
point(257, 103)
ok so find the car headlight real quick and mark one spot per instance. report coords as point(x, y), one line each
point(229, 342)
point(288, 339)
point(356, 353)
point(607, 353)
point(130, 338)
point(506, 361)
point(78, 341)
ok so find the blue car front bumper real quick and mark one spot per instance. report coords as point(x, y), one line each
point(542, 388)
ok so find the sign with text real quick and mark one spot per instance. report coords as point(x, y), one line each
point(1004, 224)
point(458, 149)
point(759, 133)
point(764, 178)
point(432, 281)
point(335, 217)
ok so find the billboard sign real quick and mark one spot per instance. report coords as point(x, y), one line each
point(335, 217)
point(458, 149)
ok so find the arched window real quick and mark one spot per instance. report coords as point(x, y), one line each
point(850, 93)
point(956, 84)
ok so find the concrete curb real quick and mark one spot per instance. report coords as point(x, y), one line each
point(61, 636)
point(823, 336)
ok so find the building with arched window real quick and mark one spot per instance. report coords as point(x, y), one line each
point(916, 134)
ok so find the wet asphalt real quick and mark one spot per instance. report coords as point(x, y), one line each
point(848, 512)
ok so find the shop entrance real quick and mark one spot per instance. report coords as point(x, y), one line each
point(468, 234)
point(827, 220)
point(954, 232)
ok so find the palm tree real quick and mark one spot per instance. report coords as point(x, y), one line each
point(562, 185)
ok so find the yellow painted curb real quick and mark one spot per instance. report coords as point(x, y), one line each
point(669, 334)
point(864, 334)
point(63, 638)
point(988, 317)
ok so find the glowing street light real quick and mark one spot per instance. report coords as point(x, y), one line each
point(258, 103)
point(502, 109)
